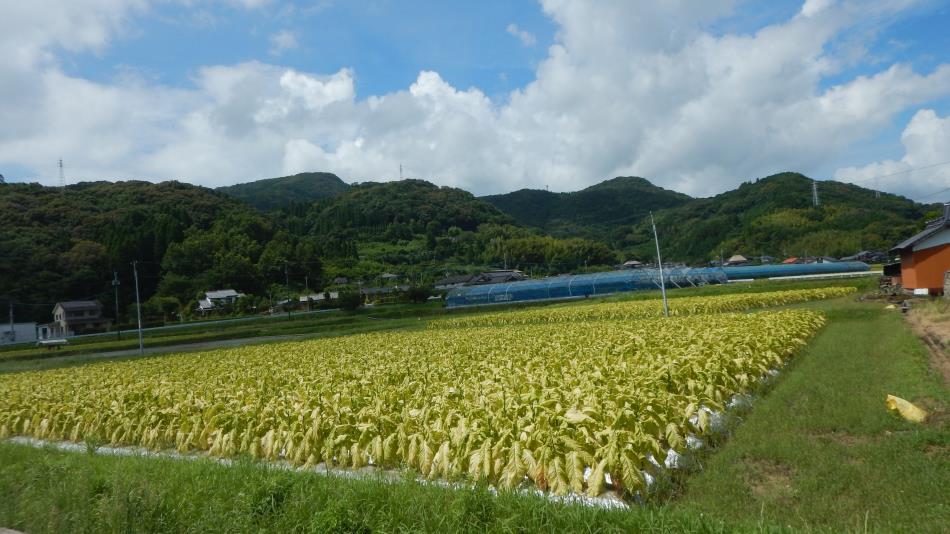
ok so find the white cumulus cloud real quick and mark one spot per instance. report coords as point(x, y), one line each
point(923, 169)
point(527, 38)
point(282, 41)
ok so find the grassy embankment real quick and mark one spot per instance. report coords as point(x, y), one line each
point(818, 451)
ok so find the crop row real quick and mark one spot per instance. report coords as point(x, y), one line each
point(543, 403)
point(642, 309)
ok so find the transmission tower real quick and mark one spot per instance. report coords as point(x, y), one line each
point(814, 192)
point(62, 175)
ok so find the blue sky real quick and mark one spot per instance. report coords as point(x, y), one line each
point(491, 96)
point(386, 43)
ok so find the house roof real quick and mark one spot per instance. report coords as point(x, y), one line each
point(496, 277)
point(458, 279)
point(320, 296)
point(632, 262)
point(793, 259)
point(383, 290)
point(221, 294)
point(737, 258)
point(932, 228)
point(79, 305)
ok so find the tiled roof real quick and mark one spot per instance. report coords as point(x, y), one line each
point(72, 305)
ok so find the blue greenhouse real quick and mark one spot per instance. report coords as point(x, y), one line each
point(582, 285)
point(803, 269)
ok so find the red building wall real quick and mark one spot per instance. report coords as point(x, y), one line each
point(925, 268)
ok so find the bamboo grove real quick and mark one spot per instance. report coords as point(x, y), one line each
point(572, 407)
point(642, 309)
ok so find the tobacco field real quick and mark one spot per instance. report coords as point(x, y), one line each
point(567, 407)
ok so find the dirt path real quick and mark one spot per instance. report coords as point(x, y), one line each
point(933, 327)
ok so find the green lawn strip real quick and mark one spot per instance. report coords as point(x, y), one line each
point(52, 491)
point(821, 451)
point(293, 325)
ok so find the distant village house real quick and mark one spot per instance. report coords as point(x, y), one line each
point(218, 299)
point(500, 276)
point(76, 317)
point(320, 297)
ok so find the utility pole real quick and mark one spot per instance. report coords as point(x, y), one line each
point(659, 261)
point(62, 174)
point(138, 305)
point(286, 276)
point(115, 288)
point(12, 329)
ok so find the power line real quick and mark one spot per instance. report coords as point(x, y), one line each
point(936, 193)
point(899, 172)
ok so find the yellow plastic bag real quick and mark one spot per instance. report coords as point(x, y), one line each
point(906, 409)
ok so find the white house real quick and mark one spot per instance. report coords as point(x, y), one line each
point(319, 297)
point(218, 298)
point(78, 317)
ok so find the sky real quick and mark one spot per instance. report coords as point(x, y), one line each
point(491, 96)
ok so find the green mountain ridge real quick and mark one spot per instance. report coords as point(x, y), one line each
point(274, 193)
point(775, 216)
point(590, 212)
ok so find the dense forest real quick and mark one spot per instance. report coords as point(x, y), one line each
point(302, 232)
point(595, 212)
point(68, 243)
point(775, 216)
point(274, 193)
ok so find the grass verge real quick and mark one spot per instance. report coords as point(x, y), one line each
point(821, 452)
point(51, 491)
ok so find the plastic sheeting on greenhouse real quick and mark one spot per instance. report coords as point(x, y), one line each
point(582, 285)
point(769, 271)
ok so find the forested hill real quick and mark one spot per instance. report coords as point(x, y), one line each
point(64, 243)
point(592, 212)
point(370, 207)
point(58, 243)
point(775, 216)
point(273, 193)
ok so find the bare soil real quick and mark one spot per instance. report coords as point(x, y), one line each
point(770, 479)
point(932, 324)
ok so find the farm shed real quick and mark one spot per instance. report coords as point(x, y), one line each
point(582, 285)
point(925, 257)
